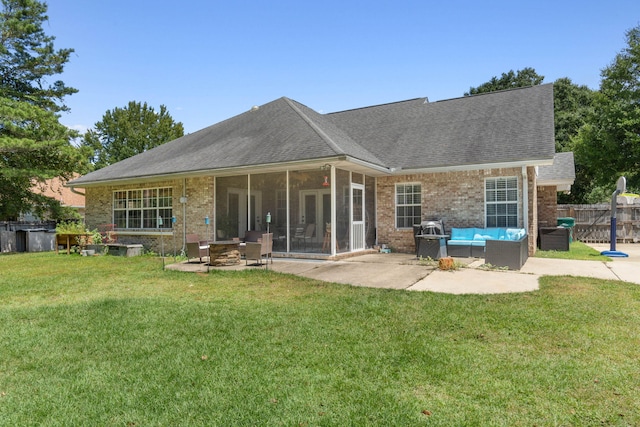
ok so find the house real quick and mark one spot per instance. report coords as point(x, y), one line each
point(55, 188)
point(340, 182)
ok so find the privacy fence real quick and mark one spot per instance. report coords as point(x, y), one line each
point(593, 222)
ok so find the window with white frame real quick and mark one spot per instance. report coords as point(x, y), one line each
point(142, 208)
point(408, 205)
point(501, 201)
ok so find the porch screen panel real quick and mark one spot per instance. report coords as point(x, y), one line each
point(343, 210)
point(358, 225)
point(231, 207)
point(269, 195)
point(307, 193)
point(370, 215)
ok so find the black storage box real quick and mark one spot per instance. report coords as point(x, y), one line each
point(554, 238)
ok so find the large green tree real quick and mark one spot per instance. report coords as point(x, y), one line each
point(572, 104)
point(609, 143)
point(510, 80)
point(125, 132)
point(34, 146)
point(28, 58)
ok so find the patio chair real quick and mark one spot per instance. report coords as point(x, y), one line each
point(257, 250)
point(196, 248)
point(108, 233)
point(307, 235)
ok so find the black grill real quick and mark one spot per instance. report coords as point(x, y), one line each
point(427, 237)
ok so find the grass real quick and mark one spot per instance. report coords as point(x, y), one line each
point(116, 341)
point(577, 250)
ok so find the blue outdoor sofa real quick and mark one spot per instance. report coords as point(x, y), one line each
point(500, 247)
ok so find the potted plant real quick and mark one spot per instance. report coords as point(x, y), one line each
point(96, 243)
point(74, 235)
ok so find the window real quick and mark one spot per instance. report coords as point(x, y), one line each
point(408, 205)
point(142, 208)
point(501, 202)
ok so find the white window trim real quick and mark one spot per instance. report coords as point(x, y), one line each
point(518, 200)
point(166, 224)
point(396, 205)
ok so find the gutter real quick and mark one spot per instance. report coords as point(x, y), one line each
point(525, 198)
point(74, 191)
point(471, 167)
point(229, 171)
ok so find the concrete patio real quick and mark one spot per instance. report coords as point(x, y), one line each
point(404, 271)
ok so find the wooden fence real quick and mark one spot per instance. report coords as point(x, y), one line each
point(593, 222)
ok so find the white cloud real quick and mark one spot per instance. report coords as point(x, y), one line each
point(81, 130)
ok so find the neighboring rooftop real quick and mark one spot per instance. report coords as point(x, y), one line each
point(55, 188)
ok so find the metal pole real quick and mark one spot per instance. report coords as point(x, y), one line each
point(621, 186)
point(161, 240)
point(173, 231)
point(268, 224)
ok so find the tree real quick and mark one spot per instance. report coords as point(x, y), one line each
point(572, 104)
point(521, 78)
point(28, 57)
point(609, 143)
point(34, 146)
point(125, 132)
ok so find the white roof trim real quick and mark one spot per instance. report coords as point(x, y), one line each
point(340, 161)
point(460, 168)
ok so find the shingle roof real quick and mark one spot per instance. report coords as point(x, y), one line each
point(280, 131)
point(562, 170)
point(509, 126)
point(506, 126)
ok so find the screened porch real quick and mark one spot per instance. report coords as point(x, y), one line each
point(323, 210)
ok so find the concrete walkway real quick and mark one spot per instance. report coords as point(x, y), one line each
point(403, 271)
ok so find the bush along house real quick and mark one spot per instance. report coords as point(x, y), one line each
point(336, 183)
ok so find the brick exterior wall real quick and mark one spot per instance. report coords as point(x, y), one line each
point(547, 206)
point(199, 205)
point(455, 197)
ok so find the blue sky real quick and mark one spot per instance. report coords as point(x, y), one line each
point(210, 60)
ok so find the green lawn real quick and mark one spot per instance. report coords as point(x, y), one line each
point(113, 341)
point(577, 250)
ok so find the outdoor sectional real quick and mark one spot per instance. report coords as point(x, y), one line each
point(500, 247)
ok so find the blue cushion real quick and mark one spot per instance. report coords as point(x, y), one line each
point(462, 233)
point(515, 233)
point(478, 243)
point(459, 242)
